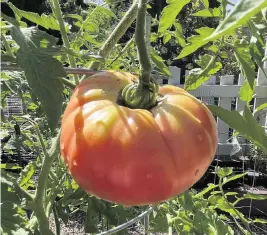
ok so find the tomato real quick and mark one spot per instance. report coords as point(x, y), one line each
point(135, 156)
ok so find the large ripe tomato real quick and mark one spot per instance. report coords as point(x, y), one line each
point(135, 156)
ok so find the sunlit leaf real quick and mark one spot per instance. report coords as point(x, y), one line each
point(245, 92)
point(158, 61)
point(239, 15)
point(170, 13)
point(42, 72)
point(197, 76)
point(246, 125)
point(195, 41)
point(246, 64)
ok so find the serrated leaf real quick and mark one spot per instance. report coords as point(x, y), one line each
point(246, 125)
point(211, 12)
point(27, 173)
point(224, 171)
point(167, 36)
point(261, 107)
point(42, 72)
point(170, 13)
point(7, 192)
point(179, 34)
point(206, 190)
point(246, 93)
point(255, 196)
point(239, 15)
point(215, 199)
point(158, 61)
point(12, 222)
point(196, 41)
point(91, 220)
point(46, 21)
point(197, 76)
point(246, 64)
point(234, 177)
point(259, 220)
point(205, 3)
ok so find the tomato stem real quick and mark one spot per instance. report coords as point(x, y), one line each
point(143, 94)
point(145, 65)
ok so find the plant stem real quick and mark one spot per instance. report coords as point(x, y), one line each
point(56, 9)
point(234, 209)
point(141, 43)
point(67, 83)
point(128, 44)
point(117, 33)
point(39, 199)
point(57, 223)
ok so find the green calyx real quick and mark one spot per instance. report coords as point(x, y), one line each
point(140, 95)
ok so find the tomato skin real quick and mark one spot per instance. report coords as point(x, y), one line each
point(135, 156)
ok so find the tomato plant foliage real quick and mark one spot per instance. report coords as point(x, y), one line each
point(43, 72)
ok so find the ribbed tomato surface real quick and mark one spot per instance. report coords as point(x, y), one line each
point(135, 156)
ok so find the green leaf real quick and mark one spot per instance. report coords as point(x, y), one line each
point(10, 166)
point(234, 177)
point(199, 75)
point(259, 220)
point(216, 199)
point(91, 220)
point(167, 36)
point(46, 21)
point(179, 34)
point(42, 72)
point(239, 15)
point(246, 93)
point(211, 12)
point(27, 173)
point(261, 107)
point(205, 3)
point(12, 220)
point(246, 125)
point(224, 171)
point(206, 190)
point(255, 196)
point(158, 61)
point(196, 41)
point(246, 64)
point(170, 13)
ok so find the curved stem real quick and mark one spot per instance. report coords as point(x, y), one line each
point(234, 209)
point(128, 223)
point(117, 33)
point(56, 9)
point(145, 65)
point(67, 83)
point(39, 199)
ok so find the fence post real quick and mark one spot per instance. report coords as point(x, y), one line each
point(240, 104)
point(176, 74)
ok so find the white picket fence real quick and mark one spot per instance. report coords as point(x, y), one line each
point(222, 91)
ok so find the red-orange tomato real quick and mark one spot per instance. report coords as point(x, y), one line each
point(135, 156)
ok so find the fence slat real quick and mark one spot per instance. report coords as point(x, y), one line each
point(223, 128)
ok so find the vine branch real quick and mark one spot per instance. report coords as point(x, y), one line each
point(141, 43)
point(57, 11)
point(117, 33)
